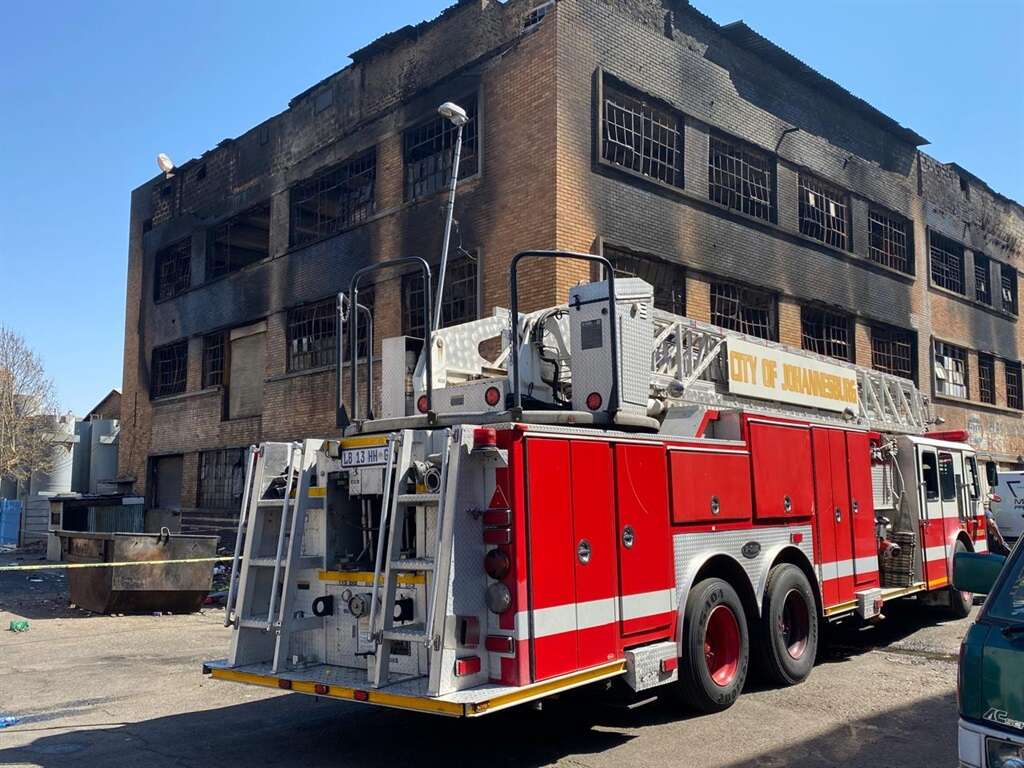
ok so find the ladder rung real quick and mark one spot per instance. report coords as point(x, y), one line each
point(410, 633)
point(270, 503)
point(301, 563)
point(413, 564)
point(418, 498)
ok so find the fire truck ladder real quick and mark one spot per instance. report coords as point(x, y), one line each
point(269, 538)
point(397, 504)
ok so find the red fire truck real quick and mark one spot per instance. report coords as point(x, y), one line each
point(532, 502)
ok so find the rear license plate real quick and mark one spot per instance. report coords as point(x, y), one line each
point(364, 457)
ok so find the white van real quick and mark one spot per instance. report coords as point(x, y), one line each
point(1008, 505)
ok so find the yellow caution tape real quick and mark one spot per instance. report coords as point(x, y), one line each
point(61, 566)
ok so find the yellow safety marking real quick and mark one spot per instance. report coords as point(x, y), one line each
point(939, 582)
point(62, 566)
point(545, 689)
point(366, 577)
point(318, 492)
point(887, 595)
point(841, 608)
point(382, 698)
point(364, 442)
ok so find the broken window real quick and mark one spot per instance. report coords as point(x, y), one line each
point(238, 242)
point(745, 310)
point(429, 150)
point(741, 178)
point(1014, 396)
point(824, 212)
point(213, 359)
point(170, 369)
point(221, 479)
point(311, 335)
point(987, 379)
point(893, 351)
point(982, 279)
point(827, 333)
point(641, 137)
point(1008, 287)
point(534, 17)
point(950, 366)
point(335, 199)
point(888, 243)
point(458, 305)
point(667, 278)
point(947, 262)
point(173, 270)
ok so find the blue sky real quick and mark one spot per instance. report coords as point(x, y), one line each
point(90, 92)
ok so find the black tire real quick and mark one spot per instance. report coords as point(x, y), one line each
point(788, 630)
point(960, 603)
point(709, 682)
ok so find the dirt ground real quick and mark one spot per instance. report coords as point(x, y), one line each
point(128, 691)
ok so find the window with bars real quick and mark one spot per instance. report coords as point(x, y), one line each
point(429, 150)
point(458, 305)
point(1014, 395)
point(668, 279)
point(947, 262)
point(950, 367)
point(824, 212)
point(827, 333)
point(333, 200)
point(169, 370)
point(741, 178)
point(893, 351)
point(987, 379)
point(982, 279)
point(888, 241)
point(746, 310)
point(238, 242)
point(221, 479)
point(640, 136)
point(214, 345)
point(311, 335)
point(173, 270)
point(1008, 287)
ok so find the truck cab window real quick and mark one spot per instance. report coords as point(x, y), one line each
point(930, 476)
point(971, 468)
point(947, 478)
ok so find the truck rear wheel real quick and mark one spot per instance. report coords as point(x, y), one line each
point(789, 626)
point(716, 647)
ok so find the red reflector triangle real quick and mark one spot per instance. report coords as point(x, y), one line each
point(498, 500)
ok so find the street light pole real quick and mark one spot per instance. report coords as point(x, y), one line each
point(457, 116)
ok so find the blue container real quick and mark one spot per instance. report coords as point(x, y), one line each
point(10, 521)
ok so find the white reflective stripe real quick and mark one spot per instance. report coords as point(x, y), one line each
point(554, 620)
point(592, 613)
point(828, 571)
point(646, 604)
point(981, 545)
point(935, 553)
point(596, 613)
point(842, 568)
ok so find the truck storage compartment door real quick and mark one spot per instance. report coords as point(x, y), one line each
point(646, 580)
point(834, 539)
point(709, 486)
point(862, 510)
point(781, 460)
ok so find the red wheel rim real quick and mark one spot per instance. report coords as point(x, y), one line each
point(795, 624)
point(722, 645)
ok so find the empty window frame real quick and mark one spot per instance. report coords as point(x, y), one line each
point(982, 279)
point(458, 305)
point(1014, 395)
point(889, 242)
point(214, 346)
point(668, 279)
point(639, 136)
point(827, 333)
point(741, 178)
point(893, 351)
point(950, 367)
point(173, 270)
point(333, 200)
point(824, 212)
point(745, 310)
point(947, 262)
point(169, 370)
point(221, 479)
point(429, 149)
point(311, 334)
point(1008, 287)
point(238, 242)
point(986, 379)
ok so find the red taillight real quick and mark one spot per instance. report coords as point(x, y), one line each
point(285, 684)
point(669, 665)
point(996, 498)
point(322, 689)
point(361, 695)
point(594, 401)
point(796, 538)
point(421, 404)
point(492, 396)
point(467, 666)
point(499, 644)
point(497, 564)
point(497, 536)
point(484, 437)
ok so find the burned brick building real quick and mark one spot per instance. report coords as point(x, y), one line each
point(752, 191)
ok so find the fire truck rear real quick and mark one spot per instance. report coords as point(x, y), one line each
point(597, 490)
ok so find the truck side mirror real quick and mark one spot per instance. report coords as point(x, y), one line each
point(976, 571)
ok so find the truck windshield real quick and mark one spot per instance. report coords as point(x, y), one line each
point(1008, 604)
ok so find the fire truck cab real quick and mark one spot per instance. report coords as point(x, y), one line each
point(590, 491)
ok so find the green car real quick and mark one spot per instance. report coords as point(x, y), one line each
point(991, 680)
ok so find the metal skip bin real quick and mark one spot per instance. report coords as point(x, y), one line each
point(173, 587)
